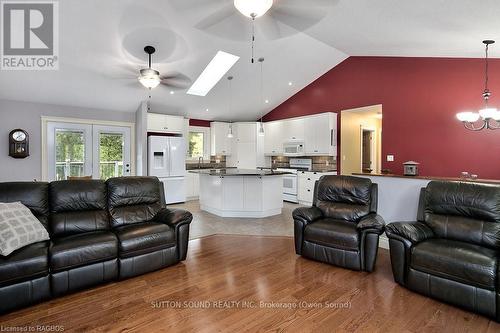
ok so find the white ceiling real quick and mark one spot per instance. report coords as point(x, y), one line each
point(101, 44)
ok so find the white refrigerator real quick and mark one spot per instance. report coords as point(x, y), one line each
point(167, 161)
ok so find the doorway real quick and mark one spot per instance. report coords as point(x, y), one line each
point(83, 150)
point(361, 140)
point(367, 150)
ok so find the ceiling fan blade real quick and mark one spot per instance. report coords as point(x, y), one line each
point(301, 15)
point(196, 4)
point(226, 23)
point(176, 80)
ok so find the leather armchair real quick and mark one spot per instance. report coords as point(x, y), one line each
point(451, 252)
point(342, 227)
point(150, 236)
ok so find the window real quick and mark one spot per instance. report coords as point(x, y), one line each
point(196, 145)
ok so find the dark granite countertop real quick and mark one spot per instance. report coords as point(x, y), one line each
point(238, 172)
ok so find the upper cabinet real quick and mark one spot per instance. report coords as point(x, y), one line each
point(274, 137)
point(321, 134)
point(165, 124)
point(318, 132)
point(220, 143)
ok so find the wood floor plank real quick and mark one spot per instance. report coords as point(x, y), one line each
point(221, 285)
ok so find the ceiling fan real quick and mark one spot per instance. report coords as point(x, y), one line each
point(239, 19)
point(150, 78)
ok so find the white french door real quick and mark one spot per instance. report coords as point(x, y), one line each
point(86, 150)
point(111, 151)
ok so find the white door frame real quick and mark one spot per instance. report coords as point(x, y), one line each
point(45, 120)
point(52, 127)
point(123, 130)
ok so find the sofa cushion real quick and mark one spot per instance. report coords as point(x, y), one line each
point(82, 249)
point(140, 238)
point(78, 206)
point(18, 228)
point(467, 212)
point(34, 195)
point(462, 262)
point(344, 197)
point(333, 233)
point(133, 199)
point(27, 263)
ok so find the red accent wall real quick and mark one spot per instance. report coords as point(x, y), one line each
point(420, 97)
point(199, 122)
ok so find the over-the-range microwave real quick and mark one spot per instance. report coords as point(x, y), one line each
point(293, 148)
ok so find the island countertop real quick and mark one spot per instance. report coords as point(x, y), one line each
point(232, 172)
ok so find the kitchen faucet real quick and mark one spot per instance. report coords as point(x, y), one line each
point(200, 162)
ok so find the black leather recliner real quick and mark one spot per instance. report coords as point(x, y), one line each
point(451, 252)
point(342, 227)
point(100, 231)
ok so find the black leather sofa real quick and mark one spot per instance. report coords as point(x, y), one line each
point(342, 227)
point(100, 231)
point(451, 252)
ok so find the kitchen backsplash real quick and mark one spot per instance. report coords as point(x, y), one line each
point(216, 162)
point(319, 163)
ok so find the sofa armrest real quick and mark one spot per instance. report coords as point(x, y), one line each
point(373, 223)
point(307, 214)
point(414, 232)
point(178, 219)
point(173, 217)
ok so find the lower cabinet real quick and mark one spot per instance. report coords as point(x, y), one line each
point(305, 185)
point(192, 186)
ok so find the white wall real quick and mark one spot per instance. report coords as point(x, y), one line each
point(28, 117)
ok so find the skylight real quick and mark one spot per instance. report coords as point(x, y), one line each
point(216, 69)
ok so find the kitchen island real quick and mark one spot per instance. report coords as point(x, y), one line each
point(241, 192)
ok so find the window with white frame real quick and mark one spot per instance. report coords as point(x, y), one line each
point(198, 143)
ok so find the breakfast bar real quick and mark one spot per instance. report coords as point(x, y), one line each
point(241, 193)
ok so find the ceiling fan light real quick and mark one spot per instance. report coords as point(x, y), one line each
point(496, 116)
point(149, 78)
point(468, 117)
point(487, 113)
point(253, 8)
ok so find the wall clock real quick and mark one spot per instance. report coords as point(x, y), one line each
point(18, 143)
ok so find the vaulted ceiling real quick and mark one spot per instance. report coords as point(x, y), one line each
point(101, 53)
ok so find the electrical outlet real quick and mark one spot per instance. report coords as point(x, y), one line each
point(390, 158)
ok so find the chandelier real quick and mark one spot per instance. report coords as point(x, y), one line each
point(488, 117)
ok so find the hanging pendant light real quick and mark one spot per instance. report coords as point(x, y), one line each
point(261, 61)
point(230, 133)
point(489, 117)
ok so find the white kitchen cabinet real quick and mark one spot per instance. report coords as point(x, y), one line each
point(293, 129)
point(165, 124)
point(246, 150)
point(305, 185)
point(192, 186)
point(321, 134)
point(274, 137)
point(220, 143)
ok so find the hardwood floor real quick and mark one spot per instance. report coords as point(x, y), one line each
point(244, 271)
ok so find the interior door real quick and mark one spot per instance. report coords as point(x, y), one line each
point(367, 138)
point(111, 151)
point(69, 150)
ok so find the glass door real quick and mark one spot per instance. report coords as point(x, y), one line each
point(111, 145)
point(77, 150)
point(69, 150)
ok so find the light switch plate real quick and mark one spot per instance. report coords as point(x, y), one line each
point(390, 158)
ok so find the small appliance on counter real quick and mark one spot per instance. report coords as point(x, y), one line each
point(167, 161)
point(411, 168)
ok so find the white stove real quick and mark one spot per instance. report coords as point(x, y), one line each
point(290, 181)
